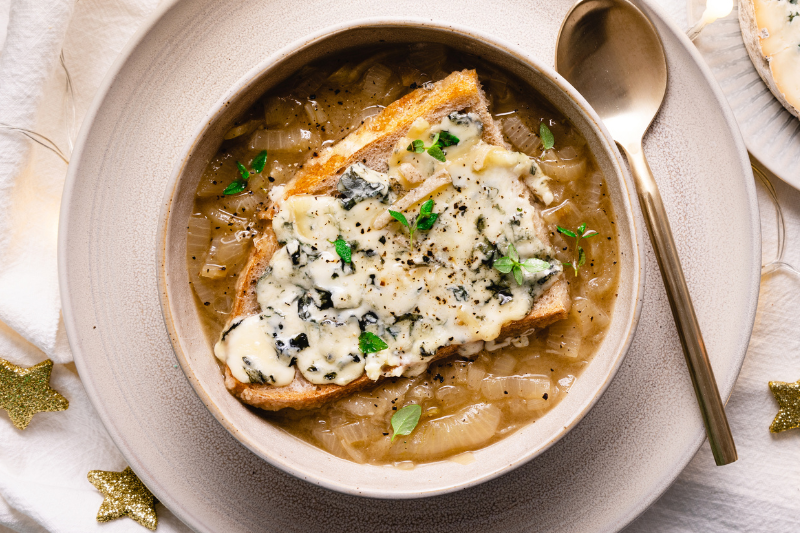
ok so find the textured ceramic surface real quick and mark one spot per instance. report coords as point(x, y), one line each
point(308, 462)
point(771, 133)
point(621, 456)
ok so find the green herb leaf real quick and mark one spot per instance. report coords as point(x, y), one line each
point(426, 208)
point(517, 274)
point(343, 249)
point(547, 136)
point(566, 232)
point(435, 140)
point(533, 265)
point(243, 171)
point(259, 162)
point(416, 146)
point(425, 222)
point(235, 187)
point(436, 153)
point(580, 254)
point(504, 265)
point(371, 343)
point(448, 139)
point(400, 217)
point(511, 263)
point(405, 420)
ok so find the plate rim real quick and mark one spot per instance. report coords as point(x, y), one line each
point(175, 505)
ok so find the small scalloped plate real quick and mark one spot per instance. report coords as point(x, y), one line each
point(771, 133)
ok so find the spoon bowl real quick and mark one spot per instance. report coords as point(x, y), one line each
point(612, 54)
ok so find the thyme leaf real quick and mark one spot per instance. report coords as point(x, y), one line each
point(240, 184)
point(405, 420)
point(259, 162)
point(370, 343)
point(343, 249)
point(547, 136)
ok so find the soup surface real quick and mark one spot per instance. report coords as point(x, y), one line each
point(489, 390)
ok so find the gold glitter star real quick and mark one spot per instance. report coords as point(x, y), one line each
point(124, 495)
point(788, 396)
point(26, 391)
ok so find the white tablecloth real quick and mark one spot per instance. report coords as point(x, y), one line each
point(43, 485)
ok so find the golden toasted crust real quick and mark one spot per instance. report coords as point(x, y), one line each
point(372, 144)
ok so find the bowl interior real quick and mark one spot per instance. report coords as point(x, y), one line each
point(289, 453)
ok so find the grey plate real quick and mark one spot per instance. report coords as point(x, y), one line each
point(625, 452)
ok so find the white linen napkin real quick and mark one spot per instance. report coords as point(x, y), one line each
point(43, 485)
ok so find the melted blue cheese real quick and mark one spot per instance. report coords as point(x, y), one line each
point(442, 291)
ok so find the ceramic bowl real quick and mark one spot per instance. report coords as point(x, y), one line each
point(194, 349)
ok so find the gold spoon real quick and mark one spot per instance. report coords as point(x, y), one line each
point(611, 53)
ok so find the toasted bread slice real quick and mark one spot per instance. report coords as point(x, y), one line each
point(372, 145)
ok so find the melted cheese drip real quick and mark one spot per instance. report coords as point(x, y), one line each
point(443, 291)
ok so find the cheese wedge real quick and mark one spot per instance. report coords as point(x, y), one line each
point(771, 34)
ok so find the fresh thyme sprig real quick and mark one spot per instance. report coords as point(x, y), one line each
point(580, 233)
point(440, 140)
point(422, 222)
point(240, 184)
point(511, 263)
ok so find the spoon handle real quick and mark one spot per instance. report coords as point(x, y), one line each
point(705, 386)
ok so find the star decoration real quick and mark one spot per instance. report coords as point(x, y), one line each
point(124, 495)
point(788, 397)
point(26, 391)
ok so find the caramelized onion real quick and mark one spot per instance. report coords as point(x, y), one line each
point(289, 140)
point(521, 137)
point(590, 318)
point(468, 428)
point(280, 112)
point(243, 205)
point(375, 80)
point(227, 250)
point(594, 193)
point(198, 235)
point(221, 218)
point(242, 129)
point(315, 113)
point(503, 364)
point(564, 339)
point(562, 169)
point(428, 57)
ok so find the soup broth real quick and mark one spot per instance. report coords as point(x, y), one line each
point(485, 393)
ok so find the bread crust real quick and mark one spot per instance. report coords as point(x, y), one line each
point(371, 144)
